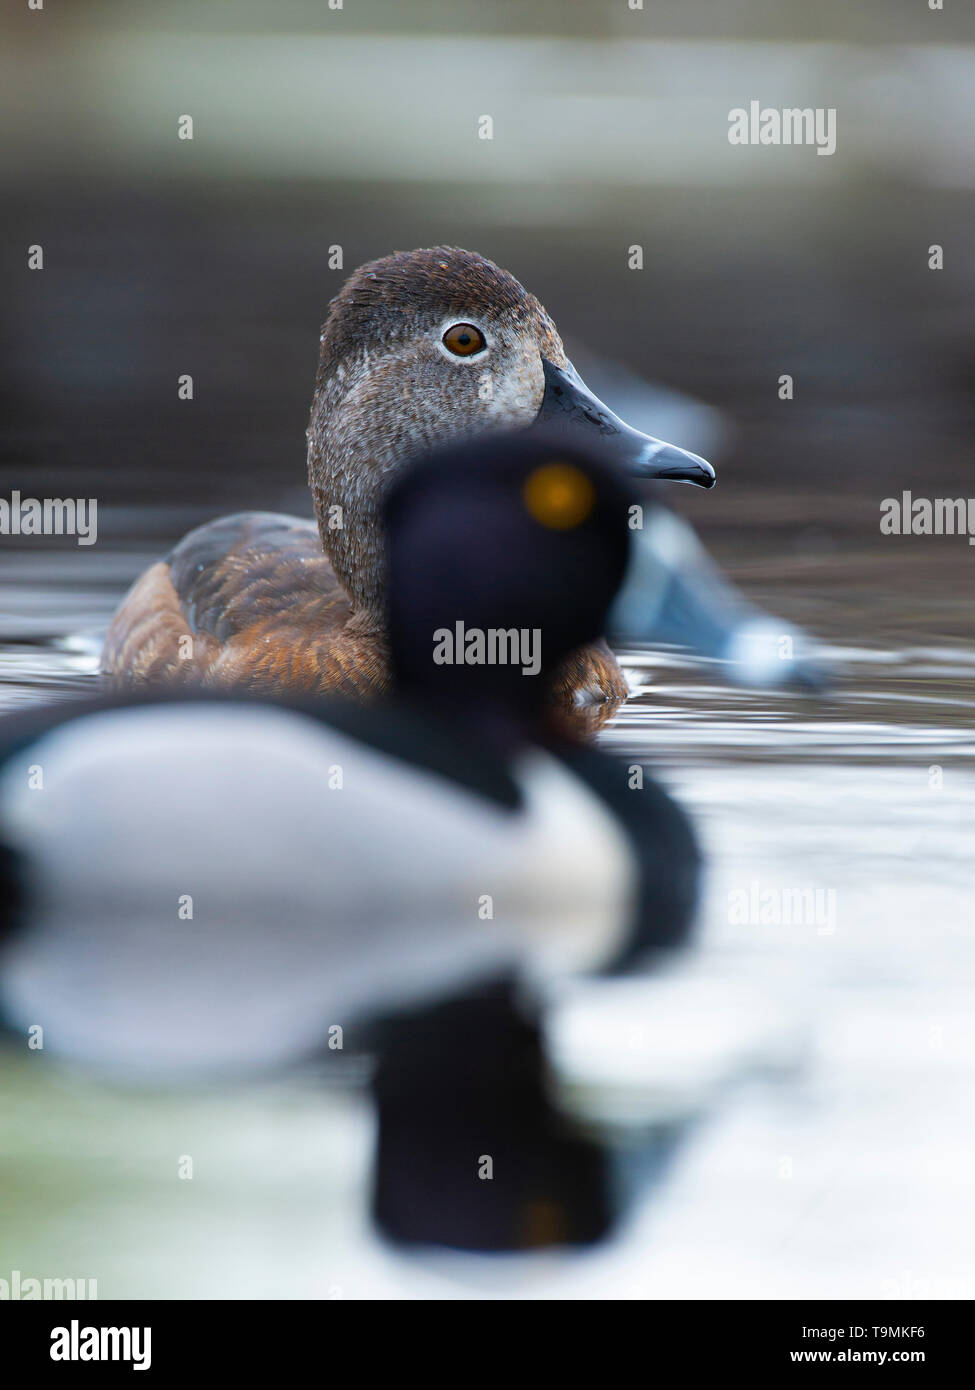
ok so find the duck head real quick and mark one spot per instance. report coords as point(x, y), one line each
point(426, 346)
point(504, 555)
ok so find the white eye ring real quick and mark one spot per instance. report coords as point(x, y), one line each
point(453, 357)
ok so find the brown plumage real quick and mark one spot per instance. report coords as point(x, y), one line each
point(271, 604)
point(249, 601)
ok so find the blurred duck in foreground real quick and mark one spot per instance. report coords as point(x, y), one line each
point(418, 348)
point(203, 887)
point(675, 595)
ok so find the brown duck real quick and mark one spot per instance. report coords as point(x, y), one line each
point(417, 348)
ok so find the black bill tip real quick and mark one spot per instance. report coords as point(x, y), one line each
point(674, 465)
point(568, 404)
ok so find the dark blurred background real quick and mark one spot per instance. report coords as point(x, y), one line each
point(315, 127)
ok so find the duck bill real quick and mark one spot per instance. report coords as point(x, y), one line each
point(569, 404)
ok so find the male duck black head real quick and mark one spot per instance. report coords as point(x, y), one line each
point(504, 555)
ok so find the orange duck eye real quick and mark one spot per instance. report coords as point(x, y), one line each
point(464, 340)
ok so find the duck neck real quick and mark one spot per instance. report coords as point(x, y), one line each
point(349, 526)
point(346, 489)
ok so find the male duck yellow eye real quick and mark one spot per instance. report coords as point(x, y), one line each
point(559, 495)
point(464, 340)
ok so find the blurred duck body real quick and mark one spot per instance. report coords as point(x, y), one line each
point(210, 886)
point(205, 890)
point(418, 348)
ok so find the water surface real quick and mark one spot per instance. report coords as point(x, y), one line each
point(820, 1071)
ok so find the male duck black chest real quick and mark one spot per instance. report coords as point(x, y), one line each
point(418, 348)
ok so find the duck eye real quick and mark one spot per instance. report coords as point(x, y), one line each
point(464, 340)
